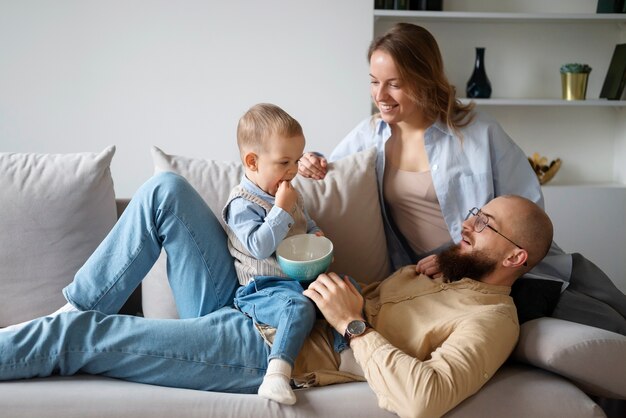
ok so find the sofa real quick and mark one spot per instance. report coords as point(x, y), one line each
point(57, 208)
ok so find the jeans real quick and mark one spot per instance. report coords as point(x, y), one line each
point(279, 302)
point(213, 347)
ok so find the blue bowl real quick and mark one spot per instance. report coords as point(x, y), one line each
point(304, 257)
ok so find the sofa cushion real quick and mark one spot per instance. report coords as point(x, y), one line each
point(518, 391)
point(344, 204)
point(56, 208)
point(591, 357)
point(514, 392)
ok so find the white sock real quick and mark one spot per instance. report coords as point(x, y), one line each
point(276, 385)
point(68, 307)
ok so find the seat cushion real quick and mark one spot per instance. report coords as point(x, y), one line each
point(518, 391)
point(514, 392)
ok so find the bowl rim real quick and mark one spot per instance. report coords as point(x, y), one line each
point(312, 236)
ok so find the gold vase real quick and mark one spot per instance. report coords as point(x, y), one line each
point(574, 85)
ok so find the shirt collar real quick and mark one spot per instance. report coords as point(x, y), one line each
point(383, 128)
point(249, 186)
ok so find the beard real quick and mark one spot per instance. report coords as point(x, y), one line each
point(456, 266)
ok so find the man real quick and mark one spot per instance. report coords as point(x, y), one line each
point(430, 344)
point(433, 343)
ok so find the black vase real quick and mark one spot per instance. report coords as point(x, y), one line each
point(478, 86)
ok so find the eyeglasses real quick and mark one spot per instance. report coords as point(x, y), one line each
point(482, 221)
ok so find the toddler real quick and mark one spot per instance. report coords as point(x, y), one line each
point(261, 211)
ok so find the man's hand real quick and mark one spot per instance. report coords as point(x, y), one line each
point(429, 266)
point(312, 166)
point(286, 197)
point(338, 300)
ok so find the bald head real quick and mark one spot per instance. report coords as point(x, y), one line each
point(527, 224)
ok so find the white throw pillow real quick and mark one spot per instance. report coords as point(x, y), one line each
point(55, 209)
point(344, 204)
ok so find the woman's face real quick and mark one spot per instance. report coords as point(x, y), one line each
point(388, 90)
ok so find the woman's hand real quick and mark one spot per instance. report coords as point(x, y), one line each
point(338, 300)
point(312, 166)
point(429, 266)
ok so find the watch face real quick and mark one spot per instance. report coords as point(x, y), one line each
point(356, 327)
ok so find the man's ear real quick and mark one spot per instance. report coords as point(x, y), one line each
point(516, 258)
point(250, 160)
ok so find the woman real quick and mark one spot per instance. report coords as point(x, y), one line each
point(437, 158)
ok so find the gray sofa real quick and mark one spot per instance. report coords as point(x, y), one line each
point(559, 368)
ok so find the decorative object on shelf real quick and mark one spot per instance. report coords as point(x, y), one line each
point(615, 80)
point(401, 4)
point(479, 86)
point(384, 4)
point(434, 5)
point(574, 78)
point(543, 170)
point(611, 6)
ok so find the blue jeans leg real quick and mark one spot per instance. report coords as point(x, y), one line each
point(279, 303)
point(221, 351)
point(166, 212)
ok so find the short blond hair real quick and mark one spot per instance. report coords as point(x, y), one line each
point(262, 121)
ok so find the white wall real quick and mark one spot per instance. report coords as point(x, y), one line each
point(77, 75)
point(591, 221)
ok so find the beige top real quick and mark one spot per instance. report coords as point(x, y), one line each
point(434, 344)
point(414, 208)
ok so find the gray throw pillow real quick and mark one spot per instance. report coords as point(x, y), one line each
point(56, 208)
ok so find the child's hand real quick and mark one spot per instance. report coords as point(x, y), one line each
point(429, 266)
point(286, 197)
point(319, 233)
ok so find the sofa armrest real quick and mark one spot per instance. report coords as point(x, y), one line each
point(593, 358)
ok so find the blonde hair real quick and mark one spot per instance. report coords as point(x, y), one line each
point(416, 54)
point(262, 121)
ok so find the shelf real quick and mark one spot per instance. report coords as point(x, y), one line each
point(501, 17)
point(594, 186)
point(547, 102)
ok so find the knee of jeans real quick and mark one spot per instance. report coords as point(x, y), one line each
point(170, 181)
point(168, 185)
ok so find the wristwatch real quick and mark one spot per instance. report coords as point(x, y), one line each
point(356, 328)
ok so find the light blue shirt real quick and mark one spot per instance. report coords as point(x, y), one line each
point(258, 231)
point(466, 173)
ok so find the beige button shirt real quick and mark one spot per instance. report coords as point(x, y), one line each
point(434, 344)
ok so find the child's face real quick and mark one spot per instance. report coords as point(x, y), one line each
point(277, 162)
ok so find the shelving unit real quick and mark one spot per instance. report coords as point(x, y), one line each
point(547, 102)
point(500, 17)
point(524, 52)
